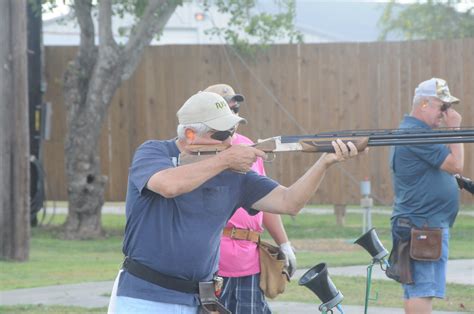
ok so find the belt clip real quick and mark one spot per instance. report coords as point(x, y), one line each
point(232, 233)
point(207, 292)
point(218, 283)
point(404, 222)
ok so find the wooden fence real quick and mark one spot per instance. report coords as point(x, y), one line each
point(290, 90)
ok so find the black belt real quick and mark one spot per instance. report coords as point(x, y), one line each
point(146, 273)
point(404, 222)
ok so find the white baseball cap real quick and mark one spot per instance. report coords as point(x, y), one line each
point(436, 87)
point(210, 109)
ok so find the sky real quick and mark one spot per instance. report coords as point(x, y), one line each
point(62, 8)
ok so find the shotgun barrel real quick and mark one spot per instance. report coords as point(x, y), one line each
point(390, 137)
point(389, 134)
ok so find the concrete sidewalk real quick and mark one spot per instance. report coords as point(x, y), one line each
point(95, 294)
point(305, 308)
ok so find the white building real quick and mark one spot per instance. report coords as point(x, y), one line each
point(318, 21)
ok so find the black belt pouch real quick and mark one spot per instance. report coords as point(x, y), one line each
point(399, 259)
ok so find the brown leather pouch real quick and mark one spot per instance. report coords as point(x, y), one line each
point(273, 273)
point(426, 244)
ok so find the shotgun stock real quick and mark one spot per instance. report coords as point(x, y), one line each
point(465, 183)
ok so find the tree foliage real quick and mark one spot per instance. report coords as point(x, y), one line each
point(432, 19)
point(248, 25)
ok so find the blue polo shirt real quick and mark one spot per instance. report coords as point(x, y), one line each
point(179, 236)
point(423, 192)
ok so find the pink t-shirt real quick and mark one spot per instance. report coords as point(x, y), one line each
point(239, 257)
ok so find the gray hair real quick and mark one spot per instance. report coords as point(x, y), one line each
point(199, 128)
point(418, 99)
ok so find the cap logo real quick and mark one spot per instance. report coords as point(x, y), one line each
point(441, 89)
point(220, 105)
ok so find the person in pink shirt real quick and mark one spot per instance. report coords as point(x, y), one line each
point(239, 262)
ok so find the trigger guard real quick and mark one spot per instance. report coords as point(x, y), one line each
point(270, 160)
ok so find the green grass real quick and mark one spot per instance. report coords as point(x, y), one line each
point(316, 237)
point(54, 261)
point(49, 309)
point(463, 207)
point(388, 293)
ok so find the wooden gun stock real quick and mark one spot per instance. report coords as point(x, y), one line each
point(200, 152)
point(325, 146)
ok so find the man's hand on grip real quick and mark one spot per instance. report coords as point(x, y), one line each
point(240, 158)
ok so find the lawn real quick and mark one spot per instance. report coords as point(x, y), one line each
point(316, 238)
point(389, 294)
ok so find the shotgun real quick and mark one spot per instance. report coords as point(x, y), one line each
point(321, 142)
point(465, 183)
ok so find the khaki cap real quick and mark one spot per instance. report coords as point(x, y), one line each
point(210, 109)
point(225, 91)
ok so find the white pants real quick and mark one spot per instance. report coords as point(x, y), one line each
point(126, 305)
point(113, 295)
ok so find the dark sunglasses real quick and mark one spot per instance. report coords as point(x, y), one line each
point(222, 135)
point(445, 107)
point(233, 104)
point(235, 108)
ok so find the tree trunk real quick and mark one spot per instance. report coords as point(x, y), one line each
point(14, 135)
point(87, 109)
point(86, 185)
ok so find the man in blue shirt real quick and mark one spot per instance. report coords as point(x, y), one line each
point(175, 214)
point(426, 192)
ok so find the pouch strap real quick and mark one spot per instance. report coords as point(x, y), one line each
point(241, 234)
